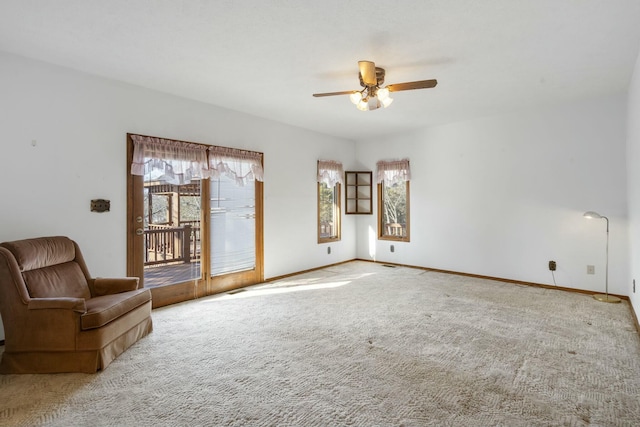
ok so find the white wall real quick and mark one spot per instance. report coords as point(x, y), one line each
point(80, 122)
point(501, 196)
point(633, 173)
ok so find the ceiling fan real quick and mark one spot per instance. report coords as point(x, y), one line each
point(373, 96)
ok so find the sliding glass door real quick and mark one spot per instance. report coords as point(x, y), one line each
point(192, 237)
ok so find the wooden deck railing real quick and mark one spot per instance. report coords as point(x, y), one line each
point(395, 229)
point(326, 229)
point(165, 244)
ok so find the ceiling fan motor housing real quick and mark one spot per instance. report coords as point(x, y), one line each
point(379, 77)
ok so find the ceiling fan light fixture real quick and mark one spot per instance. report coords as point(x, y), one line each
point(383, 93)
point(363, 105)
point(383, 96)
point(356, 97)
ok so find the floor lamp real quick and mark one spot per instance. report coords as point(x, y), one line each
point(603, 297)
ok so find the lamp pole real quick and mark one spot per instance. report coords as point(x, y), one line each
point(606, 268)
point(606, 297)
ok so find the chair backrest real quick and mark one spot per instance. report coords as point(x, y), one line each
point(51, 267)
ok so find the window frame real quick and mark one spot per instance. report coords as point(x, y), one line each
point(337, 212)
point(381, 227)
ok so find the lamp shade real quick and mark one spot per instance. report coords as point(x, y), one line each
point(591, 214)
point(383, 93)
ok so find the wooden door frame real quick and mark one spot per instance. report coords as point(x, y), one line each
point(135, 185)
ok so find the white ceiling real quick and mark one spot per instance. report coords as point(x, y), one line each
point(266, 57)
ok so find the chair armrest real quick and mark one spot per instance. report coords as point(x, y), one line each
point(75, 304)
point(108, 286)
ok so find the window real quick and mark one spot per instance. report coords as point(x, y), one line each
point(190, 207)
point(328, 212)
point(158, 208)
point(329, 181)
point(393, 200)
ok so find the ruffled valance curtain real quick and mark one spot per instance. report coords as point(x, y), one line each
point(175, 162)
point(330, 172)
point(393, 171)
point(178, 162)
point(239, 165)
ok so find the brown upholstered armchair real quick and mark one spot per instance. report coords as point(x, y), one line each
point(57, 318)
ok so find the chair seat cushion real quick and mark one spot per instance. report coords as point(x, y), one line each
point(103, 309)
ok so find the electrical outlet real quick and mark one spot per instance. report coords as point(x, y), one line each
point(552, 265)
point(591, 269)
point(392, 248)
point(329, 250)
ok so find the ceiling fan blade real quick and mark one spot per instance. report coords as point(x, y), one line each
point(368, 72)
point(420, 84)
point(346, 92)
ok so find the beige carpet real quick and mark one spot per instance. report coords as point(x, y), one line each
point(359, 344)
